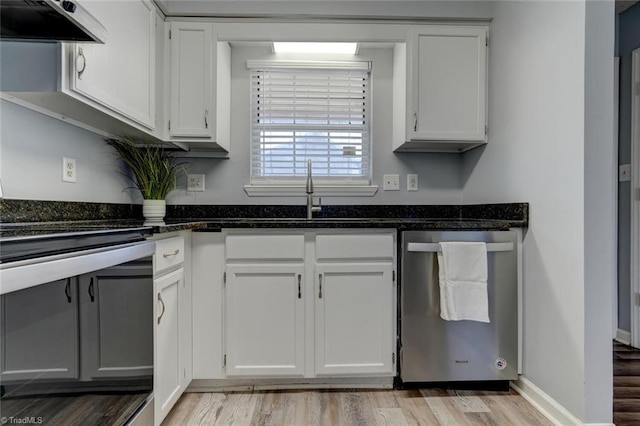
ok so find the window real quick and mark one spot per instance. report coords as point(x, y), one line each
point(319, 112)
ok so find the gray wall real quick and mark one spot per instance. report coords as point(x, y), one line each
point(543, 151)
point(31, 149)
point(439, 175)
point(628, 41)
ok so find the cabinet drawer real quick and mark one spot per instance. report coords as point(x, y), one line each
point(264, 247)
point(360, 246)
point(169, 253)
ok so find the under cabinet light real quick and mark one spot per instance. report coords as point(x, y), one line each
point(302, 47)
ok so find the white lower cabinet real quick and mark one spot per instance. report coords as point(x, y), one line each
point(265, 320)
point(354, 319)
point(172, 322)
point(167, 387)
point(324, 299)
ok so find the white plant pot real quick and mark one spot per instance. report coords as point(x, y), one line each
point(153, 212)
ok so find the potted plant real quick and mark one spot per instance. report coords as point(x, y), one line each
point(154, 174)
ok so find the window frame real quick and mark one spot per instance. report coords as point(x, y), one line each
point(323, 185)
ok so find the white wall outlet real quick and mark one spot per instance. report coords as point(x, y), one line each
point(195, 182)
point(412, 182)
point(624, 172)
point(391, 183)
point(68, 169)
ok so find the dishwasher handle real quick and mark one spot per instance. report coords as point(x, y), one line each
point(435, 247)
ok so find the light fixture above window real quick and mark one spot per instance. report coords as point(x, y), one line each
point(304, 47)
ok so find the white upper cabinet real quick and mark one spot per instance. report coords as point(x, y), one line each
point(106, 88)
point(200, 95)
point(440, 101)
point(121, 73)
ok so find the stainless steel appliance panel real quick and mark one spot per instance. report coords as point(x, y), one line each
point(435, 350)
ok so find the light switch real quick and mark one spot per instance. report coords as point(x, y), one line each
point(412, 182)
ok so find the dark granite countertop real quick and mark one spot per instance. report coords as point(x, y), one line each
point(22, 218)
point(401, 224)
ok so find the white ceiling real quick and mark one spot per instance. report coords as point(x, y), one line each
point(473, 9)
point(377, 9)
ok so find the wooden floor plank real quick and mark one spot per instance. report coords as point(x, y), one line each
point(443, 407)
point(415, 409)
point(390, 417)
point(626, 385)
point(467, 402)
point(237, 409)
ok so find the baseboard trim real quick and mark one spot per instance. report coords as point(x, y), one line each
point(250, 385)
point(544, 403)
point(623, 337)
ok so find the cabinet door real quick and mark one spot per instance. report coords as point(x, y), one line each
point(116, 322)
point(191, 79)
point(354, 319)
point(447, 87)
point(120, 74)
point(265, 320)
point(39, 339)
point(167, 375)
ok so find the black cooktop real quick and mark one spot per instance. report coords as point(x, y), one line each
point(29, 241)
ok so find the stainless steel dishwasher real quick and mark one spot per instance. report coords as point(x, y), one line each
point(435, 350)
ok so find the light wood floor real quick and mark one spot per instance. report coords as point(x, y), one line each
point(355, 407)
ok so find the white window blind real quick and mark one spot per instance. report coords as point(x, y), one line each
point(319, 114)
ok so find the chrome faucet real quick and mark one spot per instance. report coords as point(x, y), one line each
point(310, 206)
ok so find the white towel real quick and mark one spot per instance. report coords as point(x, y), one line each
point(463, 281)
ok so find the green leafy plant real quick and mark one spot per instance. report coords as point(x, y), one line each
point(154, 170)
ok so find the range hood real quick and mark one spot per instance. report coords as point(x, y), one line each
point(49, 20)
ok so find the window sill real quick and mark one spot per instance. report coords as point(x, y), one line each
point(318, 190)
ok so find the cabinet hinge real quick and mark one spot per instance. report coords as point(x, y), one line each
point(224, 277)
point(224, 362)
point(393, 358)
point(169, 34)
point(393, 276)
point(169, 124)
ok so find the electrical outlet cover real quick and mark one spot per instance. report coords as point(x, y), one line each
point(195, 182)
point(69, 169)
point(391, 183)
